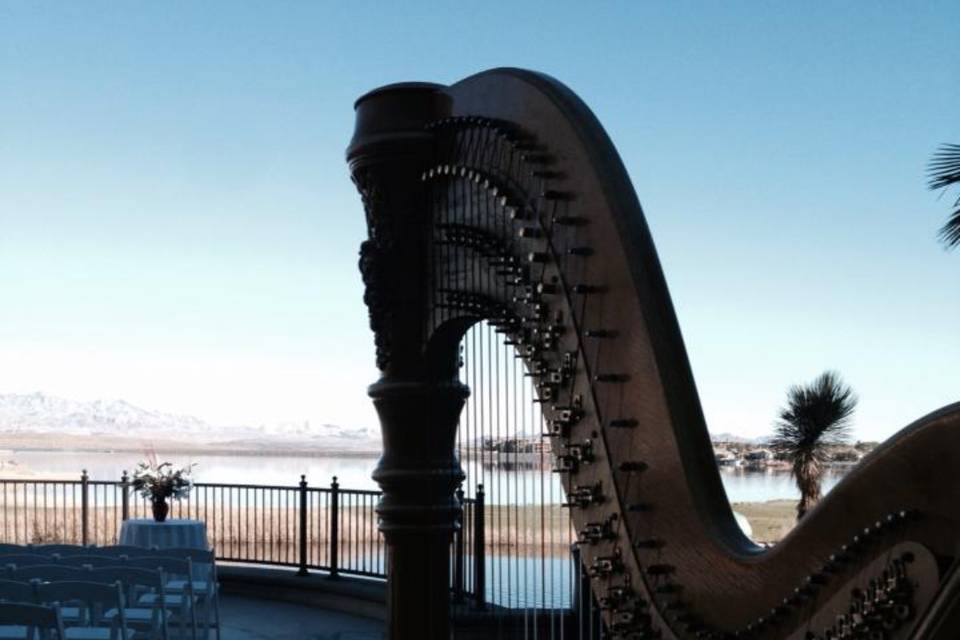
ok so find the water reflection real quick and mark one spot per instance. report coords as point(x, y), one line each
point(760, 485)
point(503, 487)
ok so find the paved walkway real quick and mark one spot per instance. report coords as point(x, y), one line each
point(254, 619)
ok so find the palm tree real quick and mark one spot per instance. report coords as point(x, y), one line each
point(944, 171)
point(815, 416)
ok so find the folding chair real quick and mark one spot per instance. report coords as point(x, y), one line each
point(21, 620)
point(135, 582)
point(90, 561)
point(59, 549)
point(50, 573)
point(46, 573)
point(16, 591)
point(94, 599)
point(21, 592)
point(184, 601)
point(205, 583)
point(117, 550)
point(27, 559)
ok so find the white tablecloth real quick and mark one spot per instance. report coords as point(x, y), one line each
point(170, 534)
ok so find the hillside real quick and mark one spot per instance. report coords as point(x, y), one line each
point(39, 420)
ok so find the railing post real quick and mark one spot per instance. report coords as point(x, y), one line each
point(334, 528)
point(84, 508)
point(479, 552)
point(458, 554)
point(303, 527)
point(125, 495)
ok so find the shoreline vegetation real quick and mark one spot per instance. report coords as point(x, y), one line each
point(770, 520)
point(112, 444)
point(510, 530)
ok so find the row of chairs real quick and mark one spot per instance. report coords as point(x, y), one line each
point(147, 588)
point(94, 611)
point(8, 548)
point(190, 583)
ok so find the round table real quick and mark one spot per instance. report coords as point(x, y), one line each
point(174, 533)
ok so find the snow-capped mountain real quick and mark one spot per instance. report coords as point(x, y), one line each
point(39, 413)
point(732, 437)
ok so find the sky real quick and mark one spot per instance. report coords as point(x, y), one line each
point(178, 227)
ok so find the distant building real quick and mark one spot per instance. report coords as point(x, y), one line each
point(725, 458)
point(758, 455)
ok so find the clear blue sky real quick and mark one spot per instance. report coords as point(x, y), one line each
point(177, 225)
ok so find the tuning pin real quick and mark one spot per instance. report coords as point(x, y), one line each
point(649, 543)
point(585, 288)
point(572, 221)
point(605, 566)
point(530, 232)
point(599, 333)
point(611, 377)
point(538, 256)
point(585, 495)
point(660, 570)
point(551, 194)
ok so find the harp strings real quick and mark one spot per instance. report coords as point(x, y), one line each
point(534, 587)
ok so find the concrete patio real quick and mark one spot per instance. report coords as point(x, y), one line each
point(246, 618)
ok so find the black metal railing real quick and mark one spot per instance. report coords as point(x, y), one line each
point(326, 528)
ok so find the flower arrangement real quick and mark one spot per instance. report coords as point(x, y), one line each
point(159, 481)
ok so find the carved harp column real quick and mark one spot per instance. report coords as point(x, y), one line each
point(417, 399)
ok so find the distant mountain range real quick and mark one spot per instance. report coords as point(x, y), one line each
point(42, 414)
point(730, 437)
point(46, 415)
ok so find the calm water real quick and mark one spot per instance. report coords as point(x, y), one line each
point(771, 484)
point(513, 581)
point(518, 487)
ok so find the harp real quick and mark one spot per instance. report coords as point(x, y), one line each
point(500, 199)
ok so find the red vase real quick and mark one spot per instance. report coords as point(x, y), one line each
point(160, 509)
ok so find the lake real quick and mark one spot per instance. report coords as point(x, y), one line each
point(515, 487)
point(514, 580)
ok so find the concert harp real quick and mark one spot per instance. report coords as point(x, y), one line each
point(501, 200)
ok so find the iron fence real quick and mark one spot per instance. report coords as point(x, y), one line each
point(325, 528)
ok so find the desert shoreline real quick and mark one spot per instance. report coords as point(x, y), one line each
point(113, 444)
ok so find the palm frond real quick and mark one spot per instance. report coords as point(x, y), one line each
point(944, 167)
point(943, 172)
point(950, 232)
point(815, 416)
